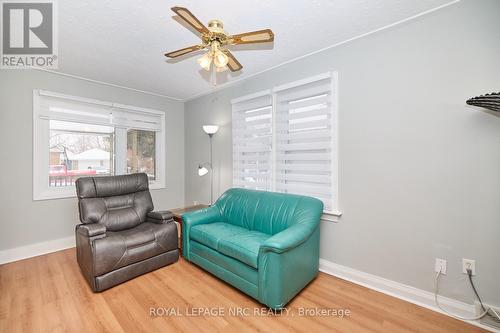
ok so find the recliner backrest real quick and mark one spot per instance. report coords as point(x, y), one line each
point(267, 212)
point(117, 202)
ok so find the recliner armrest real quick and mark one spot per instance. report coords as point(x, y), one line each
point(161, 216)
point(91, 229)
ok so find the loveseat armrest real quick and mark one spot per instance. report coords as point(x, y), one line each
point(285, 268)
point(160, 216)
point(306, 217)
point(190, 219)
point(91, 229)
point(202, 216)
point(288, 239)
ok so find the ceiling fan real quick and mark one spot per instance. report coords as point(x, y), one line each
point(216, 40)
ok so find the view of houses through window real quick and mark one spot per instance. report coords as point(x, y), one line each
point(77, 137)
point(79, 150)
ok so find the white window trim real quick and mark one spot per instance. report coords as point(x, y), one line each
point(335, 213)
point(41, 190)
point(251, 96)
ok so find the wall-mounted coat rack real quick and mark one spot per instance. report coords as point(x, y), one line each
point(488, 101)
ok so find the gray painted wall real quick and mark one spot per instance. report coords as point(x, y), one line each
point(24, 221)
point(419, 170)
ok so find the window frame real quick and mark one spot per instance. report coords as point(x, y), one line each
point(333, 214)
point(41, 137)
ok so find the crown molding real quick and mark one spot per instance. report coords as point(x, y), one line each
point(107, 83)
point(237, 81)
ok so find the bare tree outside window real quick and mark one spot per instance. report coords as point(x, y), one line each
point(141, 152)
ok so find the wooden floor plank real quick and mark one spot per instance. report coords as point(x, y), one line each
point(49, 294)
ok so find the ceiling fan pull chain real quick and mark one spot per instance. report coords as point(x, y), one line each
point(213, 75)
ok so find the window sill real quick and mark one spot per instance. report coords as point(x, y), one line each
point(157, 185)
point(69, 192)
point(331, 216)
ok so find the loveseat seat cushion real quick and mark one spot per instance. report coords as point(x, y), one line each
point(234, 241)
point(243, 246)
point(210, 234)
point(122, 248)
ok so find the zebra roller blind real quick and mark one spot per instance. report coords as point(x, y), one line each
point(304, 140)
point(284, 140)
point(252, 141)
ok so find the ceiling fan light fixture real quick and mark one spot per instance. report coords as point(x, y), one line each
point(205, 61)
point(217, 42)
point(220, 59)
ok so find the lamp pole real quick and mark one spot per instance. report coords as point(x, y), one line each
point(211, 130)
point(211, 172)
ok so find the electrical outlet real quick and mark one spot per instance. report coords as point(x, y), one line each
point(468, 264)
point(440, 266)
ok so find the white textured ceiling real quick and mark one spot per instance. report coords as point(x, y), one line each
point(123, 42)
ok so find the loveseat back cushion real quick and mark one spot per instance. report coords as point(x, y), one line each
point(267, 212)
point(117, 202)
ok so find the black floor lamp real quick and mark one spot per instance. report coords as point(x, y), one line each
point(208, 166)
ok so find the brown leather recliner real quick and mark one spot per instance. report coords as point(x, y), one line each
point(120, 236)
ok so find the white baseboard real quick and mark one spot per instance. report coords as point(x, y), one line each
point(36, 249)
point(407, 293)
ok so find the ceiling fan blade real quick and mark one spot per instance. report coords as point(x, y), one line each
point(178, 53)
point(233, 64)
point(190, 19)
point(259, 36)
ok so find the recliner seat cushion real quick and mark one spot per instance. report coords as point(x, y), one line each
point(122, 248)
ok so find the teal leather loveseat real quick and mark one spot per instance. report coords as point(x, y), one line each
point(265, 244)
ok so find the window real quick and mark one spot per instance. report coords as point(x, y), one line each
point(76, 137)
point(79, 150)
point(285, 140)
point(252, 142)
point(141, 152)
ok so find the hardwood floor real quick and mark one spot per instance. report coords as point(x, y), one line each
point(48, 294)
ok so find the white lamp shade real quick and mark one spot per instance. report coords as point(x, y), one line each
point(210, 129)
point(220, 59)
point(205, 61)
point(202, 171)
